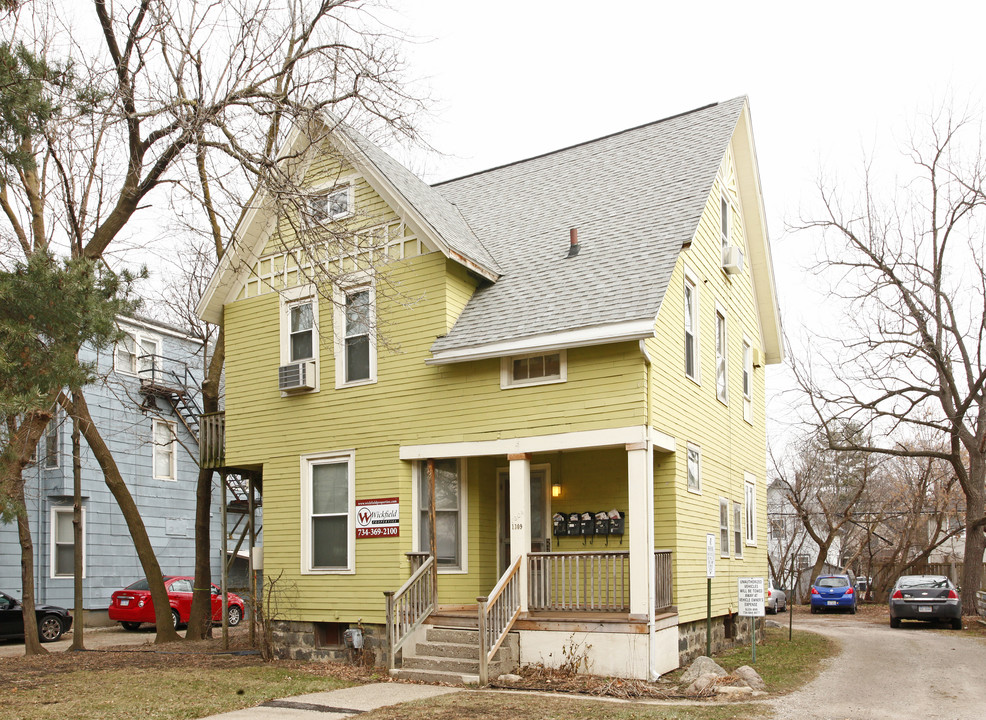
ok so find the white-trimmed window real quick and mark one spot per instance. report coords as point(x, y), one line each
point(747, 380)
point(49, 449)
point(299, 329)
point(355, 337)
point(694, 468)
point(750, 492)
point(450, 513)
point(328, 508)
point(738, 529)
point(534, 369)
point(137, 353)
point(722, 377)
point(723, 527)
point(330, 204)
point(63, 542)
point(691, 326)
point(164, 442)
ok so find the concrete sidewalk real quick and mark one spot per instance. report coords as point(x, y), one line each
point(337, 704)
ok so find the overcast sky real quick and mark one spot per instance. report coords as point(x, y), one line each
point(827, 82)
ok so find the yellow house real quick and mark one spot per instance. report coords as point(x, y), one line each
point(514, 405)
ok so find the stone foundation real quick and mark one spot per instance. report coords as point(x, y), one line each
point(727, 632)
point(298, 640)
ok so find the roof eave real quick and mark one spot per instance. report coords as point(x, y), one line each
point(625, 331)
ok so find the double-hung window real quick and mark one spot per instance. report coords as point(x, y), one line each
point(691, 326)
point(49, 449)
point(747, 380)
point(301, 332)
point(138, 354)
point(738, 529)
point(750, 489)
point(333, 204)
point(327, 509)
point(722, 380)
point(449, 524)
point(163, 455)
point(723, 527)
point(694, 468)
point(63, 542)
point(355, 336)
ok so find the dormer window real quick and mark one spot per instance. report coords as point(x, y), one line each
point(534, 369)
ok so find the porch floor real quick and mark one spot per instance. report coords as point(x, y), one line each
point(467, 616)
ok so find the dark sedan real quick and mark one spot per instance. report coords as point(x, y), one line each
point(925, 597)
point(52, 620)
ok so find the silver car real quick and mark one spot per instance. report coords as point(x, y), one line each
point(776, 600)
point(925, 597)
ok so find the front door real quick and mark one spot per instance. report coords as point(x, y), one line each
point(539, 527)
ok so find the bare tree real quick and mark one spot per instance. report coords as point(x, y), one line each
point(167, 86)
point(907, 259)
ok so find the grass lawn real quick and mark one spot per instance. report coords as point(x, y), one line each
point(169, 682)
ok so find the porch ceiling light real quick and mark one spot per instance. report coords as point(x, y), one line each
point(555, 489)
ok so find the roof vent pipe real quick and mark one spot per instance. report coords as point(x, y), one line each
point(573, 248)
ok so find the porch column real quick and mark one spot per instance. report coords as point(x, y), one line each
point(641, 518)
point(520, 516)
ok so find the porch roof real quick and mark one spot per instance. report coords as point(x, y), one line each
point(580, 440)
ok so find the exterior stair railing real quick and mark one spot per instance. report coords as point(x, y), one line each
point(409, 607)
point(497, 613)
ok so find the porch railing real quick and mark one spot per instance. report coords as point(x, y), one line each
point(408, 607)
point(212, 440)
point(664, 596)
point(497, 613)
point(582, 581)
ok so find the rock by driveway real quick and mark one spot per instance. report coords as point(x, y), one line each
point(885, 674)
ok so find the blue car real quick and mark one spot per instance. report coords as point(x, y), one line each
point(833, 592)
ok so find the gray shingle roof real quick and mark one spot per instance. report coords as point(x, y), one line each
point(444, 218)
point(635, 197)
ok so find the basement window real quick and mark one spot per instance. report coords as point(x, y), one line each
point(534, 369)
point(328, 634)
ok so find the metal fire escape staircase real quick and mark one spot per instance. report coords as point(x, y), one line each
point(170, 379)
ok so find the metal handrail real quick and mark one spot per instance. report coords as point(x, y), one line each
point(184, 380)
point(408, 608)
point(497, 613)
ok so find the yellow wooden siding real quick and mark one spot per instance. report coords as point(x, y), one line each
point(691, 412)
point(411, 403)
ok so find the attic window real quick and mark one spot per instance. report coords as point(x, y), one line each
point(331, 205)
point(534, 369)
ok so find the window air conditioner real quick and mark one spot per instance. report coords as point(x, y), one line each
point(732, 259)
point(297, 376)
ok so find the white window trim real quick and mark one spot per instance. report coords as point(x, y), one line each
point(307, 461)
point(138, 336)
point(721, 312)
point(748, 371)
point(419, 469)
point(339, 295)
point(724, 546)
point(750, 491)
point(506, 370)
point(724, 199)
point(327, 188)
point(289, 298)
point(698, 451)
point(173, 477)
point(692, 280)
point(737, 530)
point(56, 510)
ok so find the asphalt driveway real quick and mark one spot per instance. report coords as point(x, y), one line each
point(918, 671)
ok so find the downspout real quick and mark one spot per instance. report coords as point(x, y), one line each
point(651, 579)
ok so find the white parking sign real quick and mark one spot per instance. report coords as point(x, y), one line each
point(751, 597)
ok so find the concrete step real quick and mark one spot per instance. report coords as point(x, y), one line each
point(452, 635)
point(435, 676)
point(458, 665)
point(506, 650)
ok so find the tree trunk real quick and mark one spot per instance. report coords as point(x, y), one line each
point(135, 524)
point(200, 618)
point(975, 539)
point(78, 640)
point(21, 448)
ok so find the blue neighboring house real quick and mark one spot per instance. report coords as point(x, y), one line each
point(146, 407)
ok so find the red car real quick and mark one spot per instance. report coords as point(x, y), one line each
point(132, 605)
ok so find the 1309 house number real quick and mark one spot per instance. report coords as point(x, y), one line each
point(516, 526)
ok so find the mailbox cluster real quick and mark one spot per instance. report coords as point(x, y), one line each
point(588, 524)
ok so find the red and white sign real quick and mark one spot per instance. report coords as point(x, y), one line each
point(378, 518)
